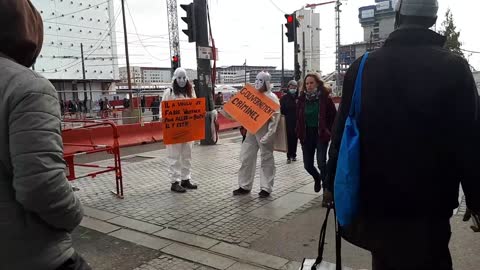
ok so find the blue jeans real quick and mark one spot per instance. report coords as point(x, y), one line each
point(311, 146)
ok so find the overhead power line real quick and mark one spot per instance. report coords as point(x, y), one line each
point(75, 12)
point(277, 7)
point(135, 28)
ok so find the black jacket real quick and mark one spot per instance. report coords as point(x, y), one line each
point(418, 129)
point(288, 107)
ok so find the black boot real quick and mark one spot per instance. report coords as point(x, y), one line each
point(177, 188)
point(263, 194)
point(188, 185)
point(240, 191)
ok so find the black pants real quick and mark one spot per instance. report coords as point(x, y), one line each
point(292, 141)
point(414, 246)
point(76, 262)
point(311, 146)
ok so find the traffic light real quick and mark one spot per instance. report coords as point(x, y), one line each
point(190, 21)
point(291, 25)
point(175, 62)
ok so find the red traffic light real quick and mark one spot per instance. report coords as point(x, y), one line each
point(290, 19)
point(175, 59)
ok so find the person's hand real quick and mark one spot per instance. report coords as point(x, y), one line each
point(264, 140)
point(475, 217)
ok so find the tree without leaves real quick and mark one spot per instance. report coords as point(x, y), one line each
point(453, 37)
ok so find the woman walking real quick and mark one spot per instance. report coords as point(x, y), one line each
point(315, 116)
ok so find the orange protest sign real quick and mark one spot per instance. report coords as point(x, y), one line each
point(251, 108)
point(183, 120)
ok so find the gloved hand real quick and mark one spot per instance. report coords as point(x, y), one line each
point(264, 140)
point(475, 217)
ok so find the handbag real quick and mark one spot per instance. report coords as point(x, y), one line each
point(319, 263)
point(280, 140)
point(347, 178)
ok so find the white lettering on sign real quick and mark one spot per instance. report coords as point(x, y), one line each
point(369, 13)
point(383, 5)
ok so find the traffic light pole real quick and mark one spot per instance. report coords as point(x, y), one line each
point(304, 59)
point(295, 48)
point(283, 61)
point(204, 70)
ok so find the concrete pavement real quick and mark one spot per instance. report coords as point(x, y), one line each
point(208, 228)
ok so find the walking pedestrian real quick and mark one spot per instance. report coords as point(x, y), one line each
point(288, 105)
point(38, 209)
point(418, 141)
point(180, 154)
point(315, 116)
point(156, 108)
point(262, 140)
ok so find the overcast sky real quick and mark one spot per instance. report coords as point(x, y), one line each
point(251, 30)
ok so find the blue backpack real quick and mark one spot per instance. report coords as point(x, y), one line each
point(347, 178)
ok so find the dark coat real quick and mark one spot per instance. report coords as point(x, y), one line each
point(417, 126)
point(288, 108)
point(326, 118)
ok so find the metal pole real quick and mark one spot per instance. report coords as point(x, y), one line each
point(304, 60)
point(129, 81)
point(283, 61)
point(84, 75)
point(204, 70)
point(337, 13)
point(295, 44)
point(245, 71)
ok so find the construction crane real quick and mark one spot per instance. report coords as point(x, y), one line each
point(173, 32)
point(337, 39)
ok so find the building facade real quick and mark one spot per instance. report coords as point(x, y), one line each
point(476, 76)
point(309, 31)
point(248, 74)
point(378, 22)
point(69, 27)
point(151, 75)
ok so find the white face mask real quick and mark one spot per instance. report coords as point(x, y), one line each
point(259, 83)
point(182, 81)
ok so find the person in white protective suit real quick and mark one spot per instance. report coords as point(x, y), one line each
point(180, 155)
point(263, 140)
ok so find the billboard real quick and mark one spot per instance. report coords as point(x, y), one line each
point(384, 5)
point(368, 13)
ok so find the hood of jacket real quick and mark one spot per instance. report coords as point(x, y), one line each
point(21, 31)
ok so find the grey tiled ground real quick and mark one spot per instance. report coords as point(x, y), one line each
point(210, 211)
point(165, 262)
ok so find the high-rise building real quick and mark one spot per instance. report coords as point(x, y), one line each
point(69, 26)
point(378, 22)
point(152, 75)
point(310, 28)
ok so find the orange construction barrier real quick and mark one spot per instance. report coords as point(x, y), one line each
point(89, 146)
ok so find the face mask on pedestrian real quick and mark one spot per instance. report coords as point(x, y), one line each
point(182, 81)
point(262, 82)
point(260, 85)
point(180, 76)
point(292, 89)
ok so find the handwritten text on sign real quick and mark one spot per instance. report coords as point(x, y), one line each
point(251, 108)
point(183, 120)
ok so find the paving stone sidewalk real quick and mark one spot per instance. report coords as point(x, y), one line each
point(211, 210)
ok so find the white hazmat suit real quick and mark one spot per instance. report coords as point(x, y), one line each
point(179, 155)
point(263, 140)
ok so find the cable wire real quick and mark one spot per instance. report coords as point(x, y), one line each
point(75, 12)
point(136, 31)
